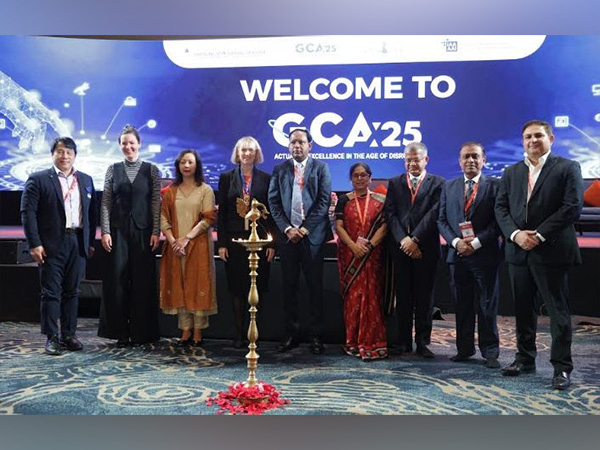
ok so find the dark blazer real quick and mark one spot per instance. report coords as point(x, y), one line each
point(452, 212)
point(418, 220)
point(316, 197)
point(43, 211)
point(555, 204)
point(229, 222)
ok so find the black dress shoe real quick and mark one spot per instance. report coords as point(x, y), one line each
point(400, 349)
point(71, 343)
point(460, 357)
point(517, 368)
point(287, 345)
point(53, 346)
point(492, 363)
point(316, 346)
point(122, 343)
point(425, 352)
point(561, 381)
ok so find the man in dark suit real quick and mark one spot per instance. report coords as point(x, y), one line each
point(58, 215)
point(468, 224)
point(538, 201)
point(411, 207)
point(299, 197)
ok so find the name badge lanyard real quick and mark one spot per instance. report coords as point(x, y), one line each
point(69, 192)
point(471, 199)
point(362, 215)
point(413, 193)
point(246, 185)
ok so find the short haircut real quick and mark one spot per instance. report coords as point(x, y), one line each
point(415, 147)
point(198, 175)
point(244, 142)
point(364, 165)
point(472, 144)
point(129, 129)
point(542, 123)
point(66, 141)
point(309, 137)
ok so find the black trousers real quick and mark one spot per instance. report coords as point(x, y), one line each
point(475, 291)
point(414, 279)
point(308, 259)
point(129, 300)
point(60, 277)
point(551, 284)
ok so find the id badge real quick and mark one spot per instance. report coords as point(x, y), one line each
point(466, 228)
point(362, 240)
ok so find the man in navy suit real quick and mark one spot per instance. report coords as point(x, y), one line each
point(59, 217)
point(411, 207)
point(468, 224)
point(299, 197)
point(537, 204)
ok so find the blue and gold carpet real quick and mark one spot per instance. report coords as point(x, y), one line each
point(164, 379)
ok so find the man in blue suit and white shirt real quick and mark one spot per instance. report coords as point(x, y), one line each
point(537, 204)
point(299, 197)
point(59, 217)
point(468, 224)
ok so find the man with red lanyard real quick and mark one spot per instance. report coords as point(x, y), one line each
point(468, 225)
point(59, 217)
point(411, 208)
point(299, 197)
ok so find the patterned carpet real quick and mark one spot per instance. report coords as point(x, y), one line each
point(163, 379)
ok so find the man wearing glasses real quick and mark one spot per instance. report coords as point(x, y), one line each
point(411, 207)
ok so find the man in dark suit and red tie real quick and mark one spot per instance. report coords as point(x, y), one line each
point(468, 225)
point(411, 208)
point(537, 204)
point(59, 217)
point(299, 197)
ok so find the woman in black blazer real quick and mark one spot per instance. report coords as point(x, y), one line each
point(237, 188)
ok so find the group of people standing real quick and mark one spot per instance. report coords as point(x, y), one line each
point(388, 246)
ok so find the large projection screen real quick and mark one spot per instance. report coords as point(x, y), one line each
point(364, 98)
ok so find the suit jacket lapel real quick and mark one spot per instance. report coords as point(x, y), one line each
point(423, 188)
point(307, 171)
point(483, 185)
point(236, 182)
point(57, 188)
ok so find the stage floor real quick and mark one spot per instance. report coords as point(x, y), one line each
point(165, 379)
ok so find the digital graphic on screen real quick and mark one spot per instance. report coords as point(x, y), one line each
point(363, 99)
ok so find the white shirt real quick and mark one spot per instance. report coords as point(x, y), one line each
point(534, 174)
point(71, 198)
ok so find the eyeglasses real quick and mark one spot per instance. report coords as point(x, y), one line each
point(413, 160)
point(360, 175)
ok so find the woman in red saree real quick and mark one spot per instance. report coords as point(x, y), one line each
point(361, 229)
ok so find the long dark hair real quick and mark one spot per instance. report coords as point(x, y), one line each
point(198, 175)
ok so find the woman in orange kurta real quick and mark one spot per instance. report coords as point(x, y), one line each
point(187, 270)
